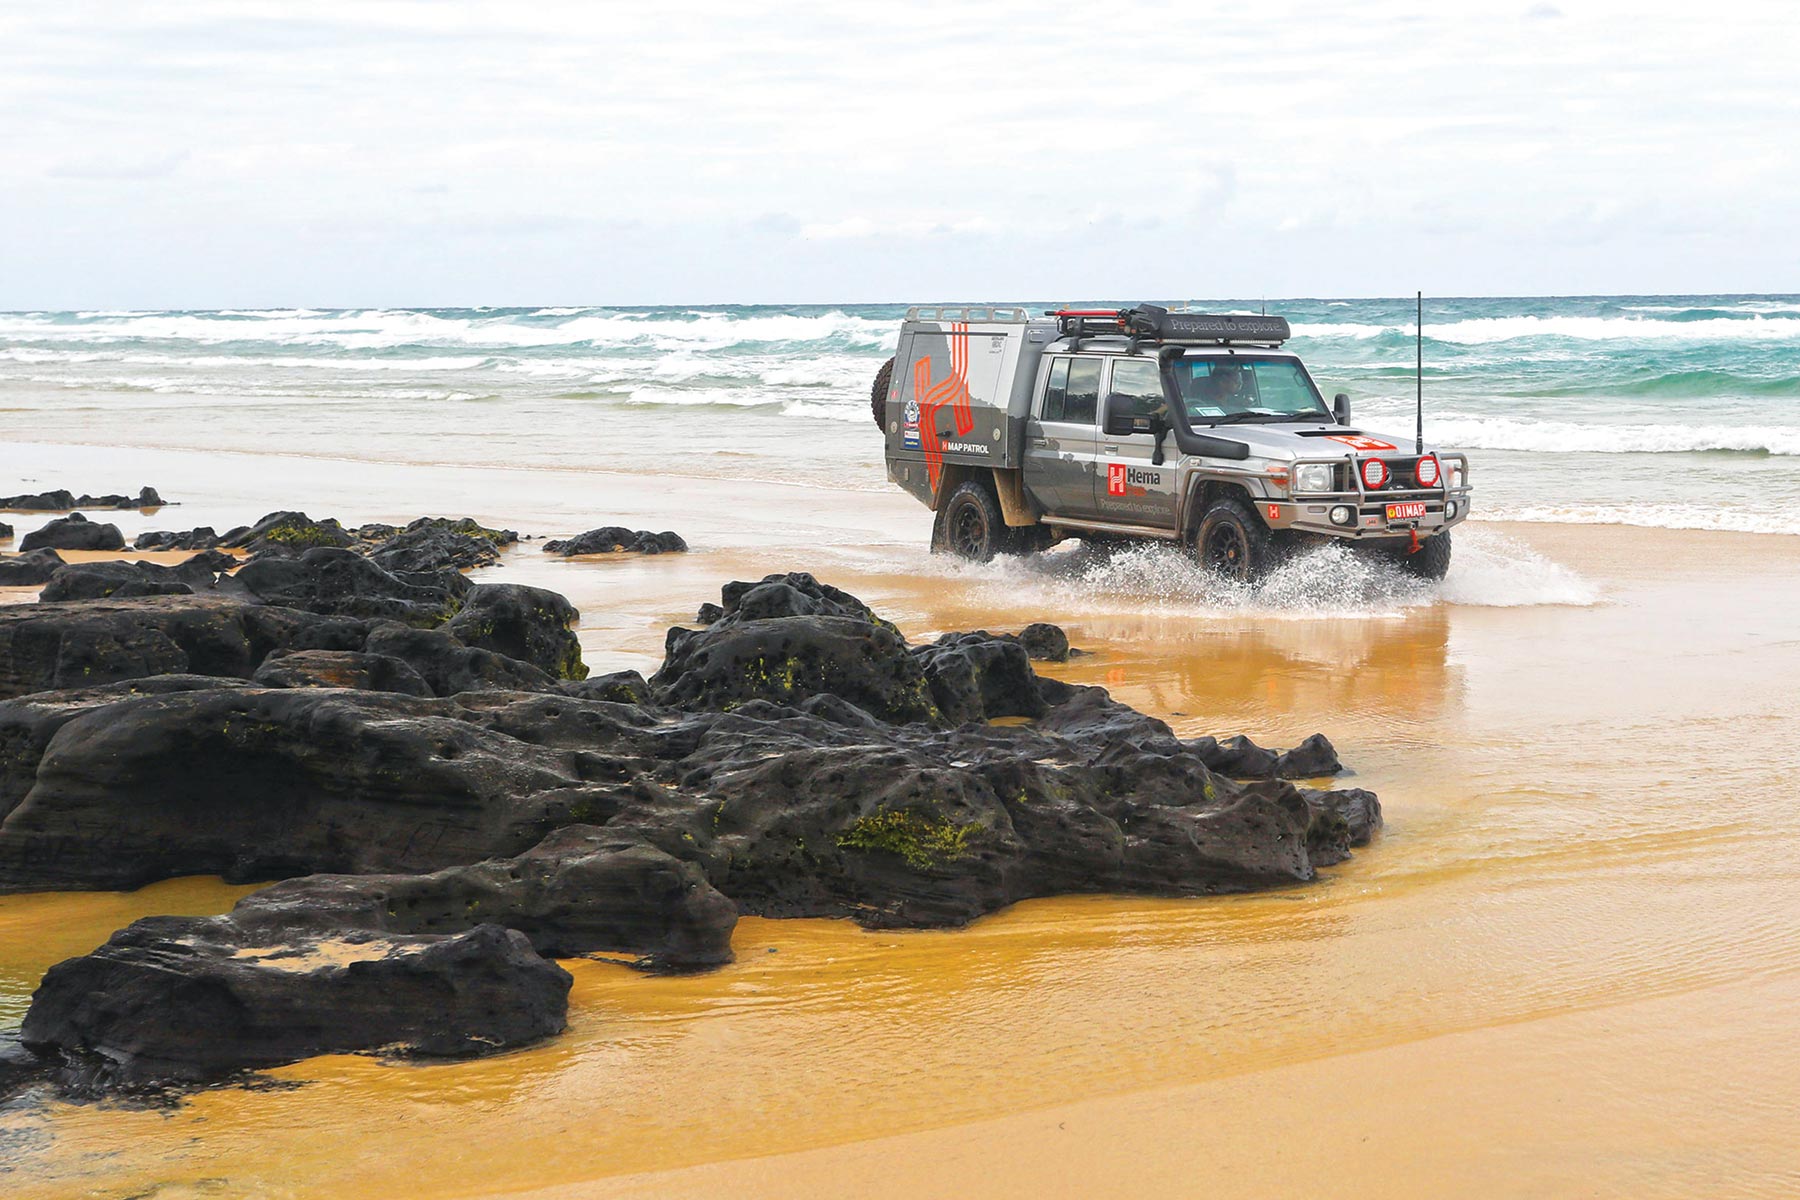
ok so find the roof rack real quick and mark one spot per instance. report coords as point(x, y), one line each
point(1152, 323)
point(966, 312)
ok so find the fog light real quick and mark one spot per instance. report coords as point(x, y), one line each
point(1342, 514)
point(1450, 511)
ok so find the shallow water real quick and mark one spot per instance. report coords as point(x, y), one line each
point(1582, 742)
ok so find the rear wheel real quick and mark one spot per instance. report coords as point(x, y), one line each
point(1431, 560)
point(970, 525)
point(884, 379)
point(1233, 542)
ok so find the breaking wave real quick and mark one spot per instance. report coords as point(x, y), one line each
point(1564, 437)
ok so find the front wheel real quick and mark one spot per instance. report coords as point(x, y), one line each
point(1232, 542)
point(970, 525)
point(1431, 560)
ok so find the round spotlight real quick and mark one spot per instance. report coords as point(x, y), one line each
point(1374, 474)
point(1450, 511)
point(1342, 514)
point(1427, 471)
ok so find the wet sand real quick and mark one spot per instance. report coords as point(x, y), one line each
point(1567, 967)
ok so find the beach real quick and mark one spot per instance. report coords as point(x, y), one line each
point(1562, 969)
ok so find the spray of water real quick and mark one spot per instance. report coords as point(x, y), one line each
point(1330, 580)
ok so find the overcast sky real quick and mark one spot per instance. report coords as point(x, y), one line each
point(379, 152)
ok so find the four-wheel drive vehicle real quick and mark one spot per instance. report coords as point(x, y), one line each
point(1147, 424)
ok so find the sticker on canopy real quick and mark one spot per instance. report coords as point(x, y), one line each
point(1358, 442)
point(910, 432)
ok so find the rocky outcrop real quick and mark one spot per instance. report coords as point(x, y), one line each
point(615, 539)
point(99, 580)
point(29, 570)
point(202, 538)
point(89, 643)
point(286, 533)
point(529, 624)
point(174, 1000)
point(796, 757)
point(337, 582)
point(73, 532)
point(64, 501)
point(341, 669)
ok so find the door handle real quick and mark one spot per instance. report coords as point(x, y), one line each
point(1038, 441)
point(1110, 449)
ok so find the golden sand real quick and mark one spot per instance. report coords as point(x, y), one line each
point(1567, 968)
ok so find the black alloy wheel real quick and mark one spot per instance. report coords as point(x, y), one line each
point(1232, 542)
point(970, 524)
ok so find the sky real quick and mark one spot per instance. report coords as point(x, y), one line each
point(382, 152)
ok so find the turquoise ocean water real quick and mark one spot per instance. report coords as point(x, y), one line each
point(1674, 411)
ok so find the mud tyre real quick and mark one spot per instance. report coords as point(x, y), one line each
point(970, 525)
point(1233, 543)
point(884, 379)
point(1431, 560)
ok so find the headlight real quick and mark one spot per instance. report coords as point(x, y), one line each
point(1314, 477)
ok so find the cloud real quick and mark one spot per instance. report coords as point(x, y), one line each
point(155, 166)
point(831, 149)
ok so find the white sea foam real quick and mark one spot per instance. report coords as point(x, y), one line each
point(1477, 331)
point(374, 329)
point(1468, 432)
point(1650, 515)
point(1333, 580)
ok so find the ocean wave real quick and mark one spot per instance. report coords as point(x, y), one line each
point(377, 329)
point(1649, 516)
point(1477, 331)
point(1563, 437)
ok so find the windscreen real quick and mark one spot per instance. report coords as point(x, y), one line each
point(1246, 386)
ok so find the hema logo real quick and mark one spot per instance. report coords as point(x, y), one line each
point(1124, 480)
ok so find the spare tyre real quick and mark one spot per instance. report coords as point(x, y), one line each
point(884, 379)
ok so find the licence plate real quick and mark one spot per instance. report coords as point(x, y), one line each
point(1405, 512)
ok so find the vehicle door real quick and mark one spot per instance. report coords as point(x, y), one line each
point(1130, 487)
point(1061, 437)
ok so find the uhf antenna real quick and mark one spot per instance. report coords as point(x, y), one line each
point(1419, 369)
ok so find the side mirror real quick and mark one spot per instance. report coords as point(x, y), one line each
point(1340, 408)
point(1121, 423)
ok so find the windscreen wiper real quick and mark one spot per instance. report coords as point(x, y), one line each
point(1234, 418)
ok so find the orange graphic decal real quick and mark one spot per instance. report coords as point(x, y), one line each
point(953, 391)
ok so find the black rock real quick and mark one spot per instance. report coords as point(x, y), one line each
point(29, 570)
point(98, 580)
point(253, 783)
point(6, 532)
point(976, 677)
point(287, 533)
point(202, 538)
point(57, 501)
point(1045, 642)
point(435, 546)
point(582, 890)
point(74, 532)
point(787, 659)
point(183, 1000)
point(620, 687)
point(340, 582)
point(530, 624)
point(613, 539)
point(449, 667)
point(341, 669)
